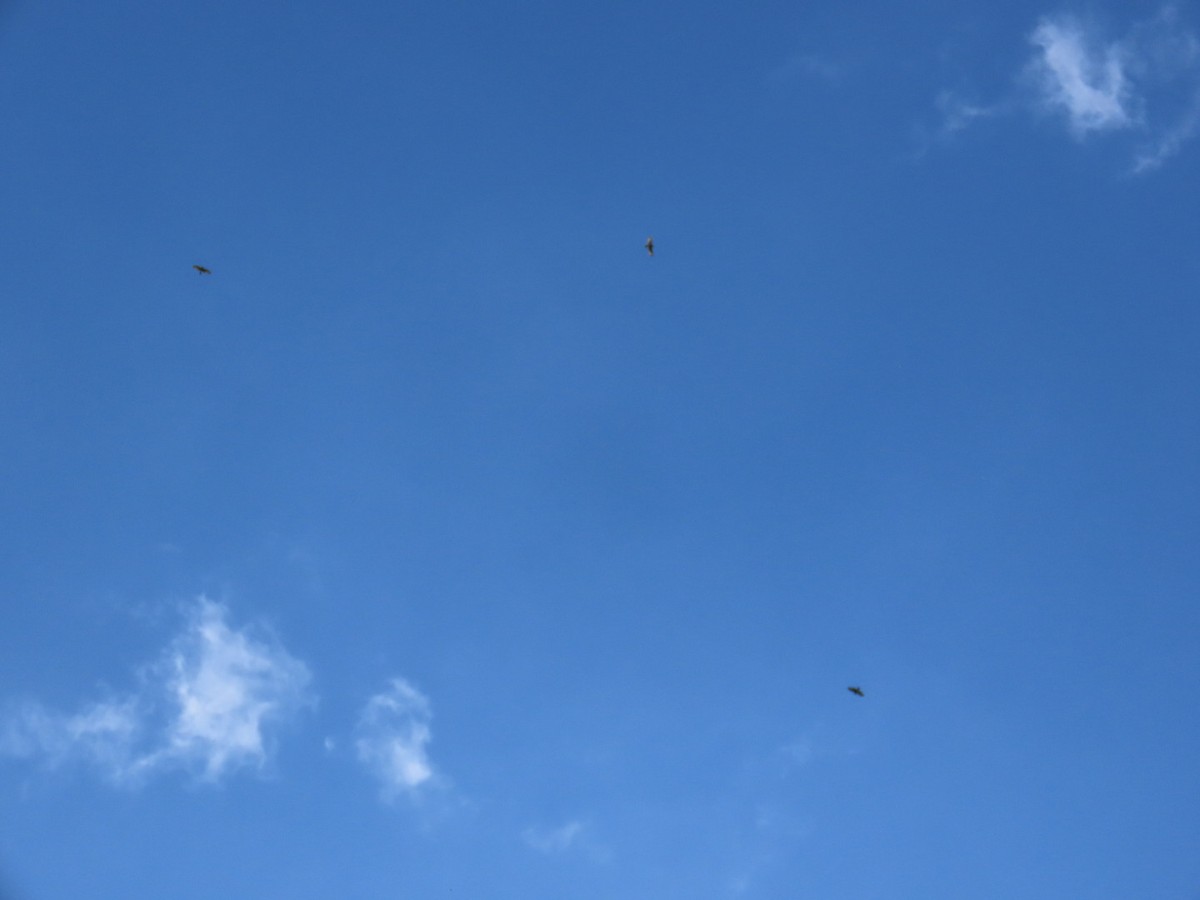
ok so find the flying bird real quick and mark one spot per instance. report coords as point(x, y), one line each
point(202, 270)
point(650, 245)
point(856, 690)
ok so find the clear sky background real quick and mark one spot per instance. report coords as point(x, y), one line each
point(443, 543)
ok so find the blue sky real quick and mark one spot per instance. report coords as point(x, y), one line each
point(443, 543)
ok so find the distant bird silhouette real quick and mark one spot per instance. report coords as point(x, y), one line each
point(856, 690)
point(650, 245)
point(202, 270)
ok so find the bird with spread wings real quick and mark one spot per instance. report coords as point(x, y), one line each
point(202, 270)
point(650, 245)
point(856, 690)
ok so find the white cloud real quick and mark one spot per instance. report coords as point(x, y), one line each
point(798, 753)
point(553, 840)
point(955, 115)
point(958, 114)
point(1162, 48)
point(806, 65)
point(208, 706)
point(1171, 141)
point(226, 689)
point(1085, 80)
point(103, 733)
point(392, 736)
point(1145, 85)
point(574, 837)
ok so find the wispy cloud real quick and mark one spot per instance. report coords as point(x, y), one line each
point(1144, 84)
point(1169, 55)
point(1082, 77)
point(955, 114)
point(772, 822)
point(392, 738)
point(103, 733)
point(806, 66)
point(553, 840)
point(1171, 141)
point(209, 706)
point(798, 753)
point(226, 689)
point(958, 114)
point(575, 838)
